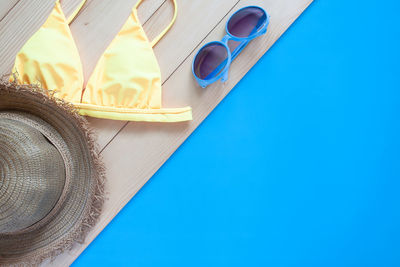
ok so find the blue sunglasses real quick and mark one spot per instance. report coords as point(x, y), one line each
point(213, 60)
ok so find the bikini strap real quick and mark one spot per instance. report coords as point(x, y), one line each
point(75, 13)
point(161, 35)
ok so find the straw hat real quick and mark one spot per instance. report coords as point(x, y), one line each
point(51, 179)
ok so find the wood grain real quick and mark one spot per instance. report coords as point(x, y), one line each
point(133, 152)
point(19, 24)
point(6, 7)
point(69, 6)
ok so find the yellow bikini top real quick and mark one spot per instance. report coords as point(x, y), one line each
point(125, 84)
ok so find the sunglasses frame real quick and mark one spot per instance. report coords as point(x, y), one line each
point(223, 75)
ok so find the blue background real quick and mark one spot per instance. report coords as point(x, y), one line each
point(298, 166)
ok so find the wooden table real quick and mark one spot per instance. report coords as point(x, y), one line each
point(134, 151)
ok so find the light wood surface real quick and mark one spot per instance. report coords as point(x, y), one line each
point(133, 152)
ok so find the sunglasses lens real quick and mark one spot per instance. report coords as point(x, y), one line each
point(210, 61)
point(247, 22)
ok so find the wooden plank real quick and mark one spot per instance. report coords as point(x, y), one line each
point(20, 23)
point(27, 16)
point(170, 61)
point(94, 30)
point(22, 18)
point(148, 8)
point(156, 142)
point(189, 14)
point(69, 6)
point(6, 6)
point(99, 23)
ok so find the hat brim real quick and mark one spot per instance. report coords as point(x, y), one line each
point(82, 202)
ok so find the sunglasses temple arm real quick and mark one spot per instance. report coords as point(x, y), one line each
point(225, 76)
point(239, 49)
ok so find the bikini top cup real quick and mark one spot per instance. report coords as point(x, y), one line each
point(125, 84)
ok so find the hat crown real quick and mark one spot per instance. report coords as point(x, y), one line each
point(32, 176)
